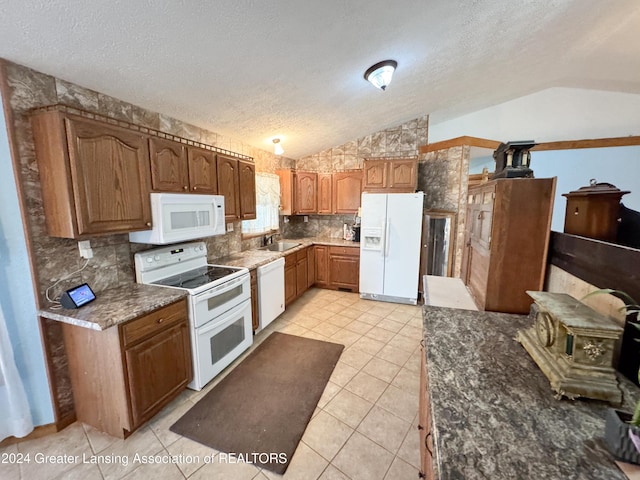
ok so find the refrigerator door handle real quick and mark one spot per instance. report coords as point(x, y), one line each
point(387, 235)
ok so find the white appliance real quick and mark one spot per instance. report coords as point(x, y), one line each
point(270, 291)
point(219, 299)
point(178, 217)
point(390, 246)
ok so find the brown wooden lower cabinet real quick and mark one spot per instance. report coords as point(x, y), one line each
point(424, 422)
point(124, 375)
point(344, 268)
point(322, 266)
point(296, 274)
point(337, 268)
point(290, 283)
point(255, 322)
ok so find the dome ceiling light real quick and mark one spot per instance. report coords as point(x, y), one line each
point(380, 74)
point(277, 148)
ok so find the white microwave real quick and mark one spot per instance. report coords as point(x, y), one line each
point(178, 217)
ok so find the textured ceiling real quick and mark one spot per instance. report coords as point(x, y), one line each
point(254, 69)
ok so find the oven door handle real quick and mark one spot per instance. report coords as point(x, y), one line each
point(230, 285)
point(217, 322)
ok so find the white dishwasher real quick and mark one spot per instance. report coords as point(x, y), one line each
point(270, 291)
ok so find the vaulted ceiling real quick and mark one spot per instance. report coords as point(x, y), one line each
point(256, 69)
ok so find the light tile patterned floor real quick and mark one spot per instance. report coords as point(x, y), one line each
point(365, 426)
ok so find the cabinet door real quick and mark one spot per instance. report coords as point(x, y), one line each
point(169, 172)
point(403, 175)
point(324, 193)
point(306, 192)
point(286, 191)
point(255, 320)
point(424, 422)
point(157, 368)
point(311, 266)
point(110, 174)
point(347, 189)
point(344, 272)
point(302, 273)
point(290, 284)
point(322, 265)
point(228, 185)
point(247, 190)
point(375, 175)
point(202, 171)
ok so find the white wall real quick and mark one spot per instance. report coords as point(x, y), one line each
point(619, 166)
point(549, 115)
point(16, 295)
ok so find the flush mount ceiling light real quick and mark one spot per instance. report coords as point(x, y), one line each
point(277, 148)
point(380, 74)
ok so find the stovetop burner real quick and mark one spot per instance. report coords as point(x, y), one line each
point(197, 277)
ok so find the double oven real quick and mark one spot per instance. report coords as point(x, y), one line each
point(219, 299)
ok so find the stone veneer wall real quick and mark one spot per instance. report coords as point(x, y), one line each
point(400, 141)
point(112, 264)
point(443, 176)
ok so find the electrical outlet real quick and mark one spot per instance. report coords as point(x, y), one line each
point(286, 219)
point(306, 218)
point(84, 246)
point(229, 227)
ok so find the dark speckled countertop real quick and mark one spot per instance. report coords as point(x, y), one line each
point(116, 305)
point(494, 413)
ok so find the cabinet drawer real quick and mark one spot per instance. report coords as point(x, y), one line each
point(301, 255)
point(351, 251)
point(290, 260)
point(154, 322)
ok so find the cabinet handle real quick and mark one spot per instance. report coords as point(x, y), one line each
point(426, 439)
point(420, 427)
point(160, 320)
point(195, 188)
point(148, 224)
point(421, 475)
point(185, 187)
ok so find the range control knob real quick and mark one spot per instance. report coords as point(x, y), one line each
point(156, 258)
point(149, 259)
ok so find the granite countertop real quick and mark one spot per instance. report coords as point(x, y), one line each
point(255, 258)
point(116, 305)
point(494, 413)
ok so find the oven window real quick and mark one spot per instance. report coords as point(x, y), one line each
point(218, 300)
point(228, 339)
point(189, 219)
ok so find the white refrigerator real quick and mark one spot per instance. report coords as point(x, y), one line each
point(390, 236)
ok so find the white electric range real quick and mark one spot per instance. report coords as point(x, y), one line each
point(219, 303)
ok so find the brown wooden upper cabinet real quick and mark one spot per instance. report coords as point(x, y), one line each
point(203, 176)
point(306, 196)
point(298, 192)
point(286, 191)
point(390, 176)
point(347, 190)
point(237, 182)
point(95, 176)
point(325, 187)
point(247, 171)
point(179, 168)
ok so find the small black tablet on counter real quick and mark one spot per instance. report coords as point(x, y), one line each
point(77, 296)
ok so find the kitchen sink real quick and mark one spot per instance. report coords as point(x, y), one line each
point(280, 246)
